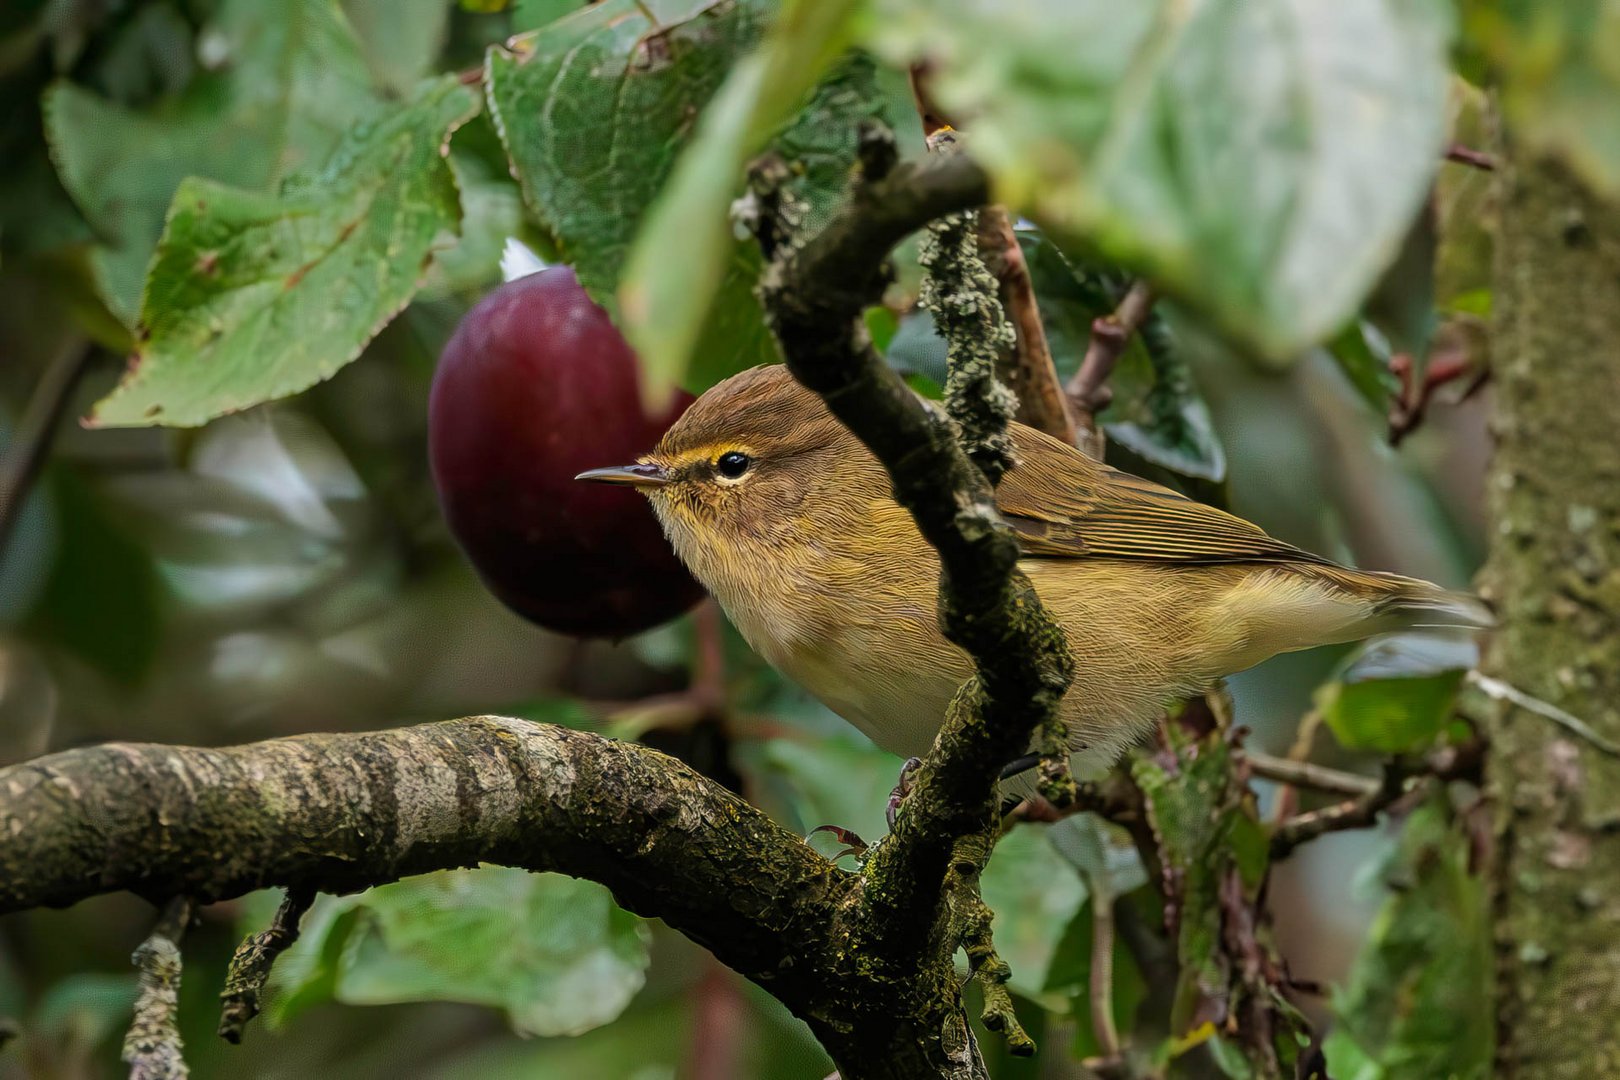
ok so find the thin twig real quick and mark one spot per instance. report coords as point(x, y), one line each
point(250, 966)
point(1464, 155)
point(1088, 390)
point(1460, 761)
point(152, 1048)
point(1305, 774)
point(1031, 371)
point(1358, 813)
point(1102, 971)
point(1498, 690)
point(31, 445)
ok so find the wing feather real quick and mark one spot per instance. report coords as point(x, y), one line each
point(1065, 505)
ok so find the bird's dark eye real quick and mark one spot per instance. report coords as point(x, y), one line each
point(733, 464)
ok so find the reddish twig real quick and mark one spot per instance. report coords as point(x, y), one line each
point(1464, 155)
point(1088, 390)
point(932, 116)
point(1451, 360)
point(1030, 371)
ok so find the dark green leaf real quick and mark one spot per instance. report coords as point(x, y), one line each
point(1396, 695)
point(1157, 412)
point(665, 301)
point(595, 110)
point(1362, 354)
point(280, 84)
point(1402, 302)
point(1258, 158)
point(1414, 1006)
point(255, 297)
point(554, 952)
point(102, 601)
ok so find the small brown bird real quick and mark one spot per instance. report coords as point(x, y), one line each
point(790, 522)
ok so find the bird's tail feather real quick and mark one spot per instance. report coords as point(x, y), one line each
point(1412, 604)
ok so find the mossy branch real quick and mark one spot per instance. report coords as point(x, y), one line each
point(339, 813)
point(815, 291)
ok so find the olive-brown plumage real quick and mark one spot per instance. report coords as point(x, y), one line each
point(789, 521)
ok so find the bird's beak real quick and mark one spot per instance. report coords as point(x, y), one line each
point(641, 474)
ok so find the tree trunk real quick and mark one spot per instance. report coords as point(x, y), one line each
point(1554, 576)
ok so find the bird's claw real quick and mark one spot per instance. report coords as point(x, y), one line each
point(853, 844)
point(902, 788)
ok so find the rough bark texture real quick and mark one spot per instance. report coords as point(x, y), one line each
point(1554, 575)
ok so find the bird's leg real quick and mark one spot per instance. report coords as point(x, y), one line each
point(902, 788)
point(853, 844)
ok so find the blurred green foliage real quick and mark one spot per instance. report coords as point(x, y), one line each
point(247, 197)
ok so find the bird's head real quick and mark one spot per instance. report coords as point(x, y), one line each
point(755, 470)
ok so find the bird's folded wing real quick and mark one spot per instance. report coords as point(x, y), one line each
point(1064, 504)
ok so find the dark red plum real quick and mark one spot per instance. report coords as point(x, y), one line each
point(536, 386)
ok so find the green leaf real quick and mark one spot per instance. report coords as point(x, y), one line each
point(1560, 83)
point(595, 110)
point(1395, 696)
point(1362, 354)
point(665, 300)
point(1157, 412)
point(255, 297)
point(1413, 1008)
point(554, 952)
point(280, 84)
point(401, 38)
point(1260, 159)
point(102, 601)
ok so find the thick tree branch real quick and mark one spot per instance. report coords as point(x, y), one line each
point(337, 813)
point(814, 295)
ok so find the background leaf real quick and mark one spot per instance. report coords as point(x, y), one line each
point(1560, 79)
point(1260, 158)
point(665, 300)
point(279, 84)
point(1395, 696)
point(596, 108)
point(1413, 1008)
point(554, 952)
point(255, 297)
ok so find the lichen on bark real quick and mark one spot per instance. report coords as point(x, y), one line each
point(1554, 577)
